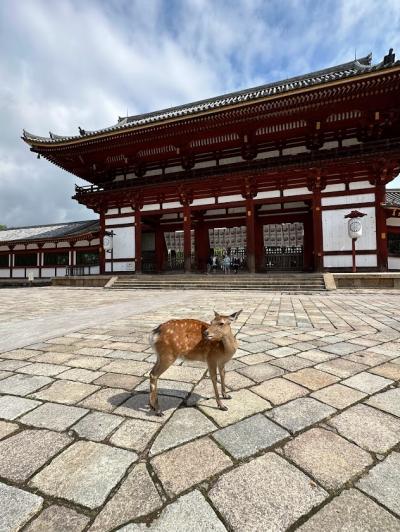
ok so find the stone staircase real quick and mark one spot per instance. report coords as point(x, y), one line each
point(276, 282)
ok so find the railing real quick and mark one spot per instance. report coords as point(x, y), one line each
point(283, 258)
point(73, 271)
point(298, 160)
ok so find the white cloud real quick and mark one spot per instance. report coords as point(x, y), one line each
point(68, 63)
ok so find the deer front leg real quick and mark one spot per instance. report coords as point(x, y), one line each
point(162, 364)
point(222, 375)
point(212, 369)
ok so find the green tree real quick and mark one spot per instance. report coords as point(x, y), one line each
point(2, 227)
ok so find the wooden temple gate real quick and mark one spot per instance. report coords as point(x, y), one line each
point(300, 151)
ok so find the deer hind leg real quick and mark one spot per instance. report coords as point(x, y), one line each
point(212, 369)
point(221, 368)
point(159, 368)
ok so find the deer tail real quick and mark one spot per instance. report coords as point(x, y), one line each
point(153, 336)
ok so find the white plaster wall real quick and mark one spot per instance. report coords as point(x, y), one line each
point(350, 142)
point(357, 185)
point(268, 154)
point(345, 261)
point(4, 272)
point(393, 263)
point(172, 205)
point(128, 266)
point(294, 150)
point(230, 160)
point(112, 211)
point(296, 191)
point(18, 272)
point(124, 242)
point(49, 245)
point(81, 243)
point(205, 164)
point(268, 194)
point(393, 222)
point(348, 200)
point(215, 211)
point(125, 210)
point(337, 187)
point(294, 205)
point(203, 201)
point(172, 216)
point(335, 235)
point(151, 207)
point(4, 248)
point(227, 199)
point(120, 221)
point(47, 272)
point(61, 271)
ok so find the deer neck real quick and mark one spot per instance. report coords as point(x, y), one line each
point(230, 344)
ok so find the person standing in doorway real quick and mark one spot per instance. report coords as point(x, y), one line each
point(227, 264)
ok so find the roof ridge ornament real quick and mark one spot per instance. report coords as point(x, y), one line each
point(389, 58)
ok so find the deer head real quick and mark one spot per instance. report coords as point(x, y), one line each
point(220, 327)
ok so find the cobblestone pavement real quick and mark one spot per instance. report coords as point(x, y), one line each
point(311, 439)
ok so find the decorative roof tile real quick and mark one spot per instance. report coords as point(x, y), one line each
point(48, 232)
point(338, 72)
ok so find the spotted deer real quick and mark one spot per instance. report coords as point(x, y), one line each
point(212, 343)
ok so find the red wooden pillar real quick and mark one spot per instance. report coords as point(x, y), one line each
point(187, 238)
point(381, 228)
point(40, 259)
point(259, 244)
point(317, 228)
point(138, 240)
point(11, 259)
point(102, 253)
point(250, 235)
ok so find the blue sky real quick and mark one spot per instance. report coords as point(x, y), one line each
point(71, 63)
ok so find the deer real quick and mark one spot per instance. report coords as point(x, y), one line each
point(213, 343)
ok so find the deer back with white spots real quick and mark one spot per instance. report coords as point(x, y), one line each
point(213, 343)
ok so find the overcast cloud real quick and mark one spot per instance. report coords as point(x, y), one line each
point(67, 63)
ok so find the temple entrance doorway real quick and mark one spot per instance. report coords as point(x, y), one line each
point(228, 242)
point(284, 247)
point(175, 251)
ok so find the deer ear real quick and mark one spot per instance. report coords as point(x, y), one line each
point(235, 315)
point(216, 315)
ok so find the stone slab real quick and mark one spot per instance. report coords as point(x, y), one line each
point(190, 512)
point(23, 384)
point(300, 413)
point(85, 473)
point(327, 457)
point(250, 436)
point(81, 375)
point(128, 367)
point(184, 373)
point(279, 390)
point(341, 367)
point(106, 399)
point(118, 380)
point(351, 511)
point(342, 348)
point(17, 507)
point(388, 401)
point(184, 425)
point(134, 434)
point(261, 372)
point(24, 453)
point(165, 387)
point(96, 426)
point(137, 406)
point(136, 497)
point(66, 392)
point(242, 404)
point(383, 483)
point(54, 416)
point(12, 407)
point(369, 428)
point(7, 428)
point(366, 382)
point(58, 519)
point(389, 370)
point(311, 378)
point(338, 396)
point(267, 493)
point(185, 466)
point(292, 363)
point(41, 368)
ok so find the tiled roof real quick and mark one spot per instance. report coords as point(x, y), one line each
point(48, 232)
point(393, 197)
point(338, 72)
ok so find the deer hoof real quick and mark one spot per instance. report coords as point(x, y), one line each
point(159, 413)
point(227, 396)
point(222, 407)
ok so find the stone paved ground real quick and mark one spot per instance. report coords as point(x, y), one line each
point(311, 440)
